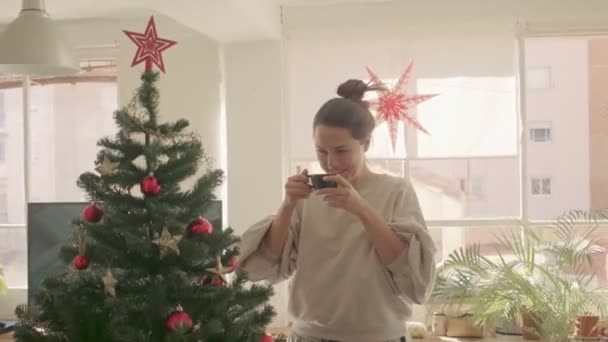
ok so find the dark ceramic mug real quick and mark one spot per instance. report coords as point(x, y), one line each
point(317, 182)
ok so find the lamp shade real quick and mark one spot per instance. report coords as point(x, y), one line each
point(31, 45)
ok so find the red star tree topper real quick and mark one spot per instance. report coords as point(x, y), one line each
point(394, 105)
point(149, 46)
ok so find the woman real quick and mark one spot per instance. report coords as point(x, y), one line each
point(360, 253)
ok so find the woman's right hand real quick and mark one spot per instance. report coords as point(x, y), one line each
point(297, 188)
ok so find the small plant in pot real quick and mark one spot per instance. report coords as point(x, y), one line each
point(542, 281)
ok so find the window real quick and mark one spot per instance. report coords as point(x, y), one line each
point(538, 78)
point(3, 202)
point(540, 134)
point(13, 256)
point(2, 150)
point(541, 186)
point(450, 238)
point(472, 187)
point(67, 117)
point(11, 153)
point(477, 165)
point(2, 112)
point(471, 117)
point(59, 129)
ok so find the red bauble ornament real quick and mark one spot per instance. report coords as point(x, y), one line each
point(150, 186)
point(92, 213)
point(200, 226)
point(179, 320)
point(233, 263)
point(81, 262)
point(217, 282)
point(266, 338)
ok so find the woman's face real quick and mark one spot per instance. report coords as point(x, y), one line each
point(339, 152)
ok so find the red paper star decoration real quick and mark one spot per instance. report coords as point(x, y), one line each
point(394, 105)
point(149, 46)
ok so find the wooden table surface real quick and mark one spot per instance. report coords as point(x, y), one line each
point(499, 338)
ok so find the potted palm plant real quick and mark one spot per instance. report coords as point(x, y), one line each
point(541, 283)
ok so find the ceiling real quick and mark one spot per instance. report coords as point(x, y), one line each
point(326, 2)
point(222, 20)
point(69, 9)
point(242, 20)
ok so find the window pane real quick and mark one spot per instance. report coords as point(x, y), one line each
point(442, 186)
point(472, 116)
point(381, 145)
point(575, 162)
point(535, 186)
point(449, 239)
point(598, 259)
point(393, 167)
point(539, 134)
point(13, 256)
point(2, 111)
point(546, 186)
point(67, 121)
point(11, 165)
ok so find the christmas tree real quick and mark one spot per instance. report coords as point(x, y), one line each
point(143, 264)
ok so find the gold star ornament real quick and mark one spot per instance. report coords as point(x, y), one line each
point(167, 244)
point(109, 283)
point(107, 167)
point(219, 270)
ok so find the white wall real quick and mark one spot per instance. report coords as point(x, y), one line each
point(190, 89)
point(253, 74)
point(423, 16)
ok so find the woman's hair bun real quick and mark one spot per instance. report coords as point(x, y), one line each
point(353, 90)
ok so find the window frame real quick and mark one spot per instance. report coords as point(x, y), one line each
point(25, 83)
point(523, 128)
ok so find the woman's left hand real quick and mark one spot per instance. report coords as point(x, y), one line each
point(344, 196)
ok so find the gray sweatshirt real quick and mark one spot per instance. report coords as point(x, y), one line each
point(340, 290)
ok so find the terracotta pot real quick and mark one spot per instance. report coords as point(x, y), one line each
point(587, 326)
point(529, 326)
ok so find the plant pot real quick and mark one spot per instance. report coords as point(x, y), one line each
point(439, 324)
point(529, 327)
point(512, 327)
point(463, 326)
point(587, 326)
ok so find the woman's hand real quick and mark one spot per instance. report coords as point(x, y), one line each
point(296, 188)
point(344, 196)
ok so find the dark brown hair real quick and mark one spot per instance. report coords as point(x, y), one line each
point(349, 110)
